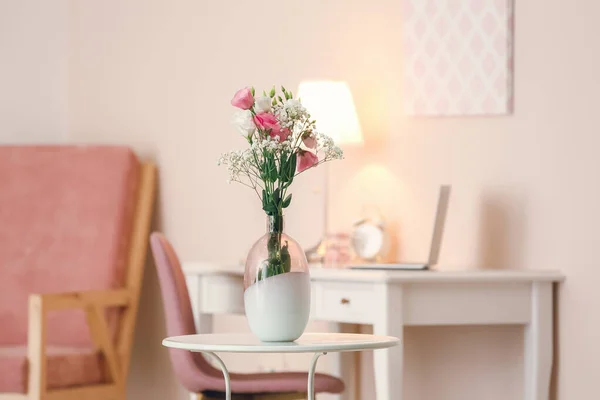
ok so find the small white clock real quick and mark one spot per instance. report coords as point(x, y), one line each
point(369, 237)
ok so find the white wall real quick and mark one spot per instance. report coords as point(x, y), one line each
point(33, 71)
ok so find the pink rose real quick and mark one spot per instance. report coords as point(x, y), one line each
point(310, 142)
point(283, 134)
point(243, 99)
point(268, 122)
point(306, 160)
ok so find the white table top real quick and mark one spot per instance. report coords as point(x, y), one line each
point(431, 276)
point(307, 343)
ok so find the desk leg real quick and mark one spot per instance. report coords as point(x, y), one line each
point(346, 364)
point(538, 343)
point(389, 363)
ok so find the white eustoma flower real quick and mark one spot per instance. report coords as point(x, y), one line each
point(243, 122)
point(262, 104)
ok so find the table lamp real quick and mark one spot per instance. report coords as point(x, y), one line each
point(330, 103)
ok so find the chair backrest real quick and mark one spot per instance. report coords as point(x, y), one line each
point(188, 366)
point(66, 216)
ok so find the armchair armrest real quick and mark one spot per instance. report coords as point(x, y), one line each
point(93, 302)
point(70, 300)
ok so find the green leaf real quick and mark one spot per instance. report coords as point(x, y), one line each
point(268, 169)
point(270, 209)
point(292, 167)
point(287, 96)
point(282, 89)
point(273, 247)
point(286, 259)
point(276, 196)
point(272, 269)
point(264, 198)
point(252, 91)
point(287, 201)
point(272, 169)
point(280, 99)
point(272, 92)
point(283, 166)
point(287, 168)
point(273, 102)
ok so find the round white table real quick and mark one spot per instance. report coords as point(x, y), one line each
point(318, 343)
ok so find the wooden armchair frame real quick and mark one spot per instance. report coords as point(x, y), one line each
point(94, 303)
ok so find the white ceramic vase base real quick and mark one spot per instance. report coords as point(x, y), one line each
point(278, 308)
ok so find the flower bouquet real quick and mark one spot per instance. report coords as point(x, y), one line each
point(282, 143)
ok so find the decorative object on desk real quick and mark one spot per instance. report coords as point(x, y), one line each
point(370, 240)
point(283, 143)
point(339, 251)
point(436, 239)
point(331, 104)
point(458, 57)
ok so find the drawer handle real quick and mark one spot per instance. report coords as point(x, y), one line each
point(344, 301)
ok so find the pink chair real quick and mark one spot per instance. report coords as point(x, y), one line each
point(193, 371)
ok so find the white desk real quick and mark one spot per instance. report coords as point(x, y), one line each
point(390, 300)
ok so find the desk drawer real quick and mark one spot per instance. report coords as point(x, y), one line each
point(345, 302)
point(222, 294)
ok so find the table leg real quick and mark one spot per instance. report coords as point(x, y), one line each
point(311, 375)
point(388, 363)
point(225, 373)
point(538, 344)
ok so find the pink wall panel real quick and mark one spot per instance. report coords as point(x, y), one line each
point(458, 57)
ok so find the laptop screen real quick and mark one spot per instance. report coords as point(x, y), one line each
point(438, 226)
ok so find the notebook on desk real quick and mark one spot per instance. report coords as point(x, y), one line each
point(436, 240)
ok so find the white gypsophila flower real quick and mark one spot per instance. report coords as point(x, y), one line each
point(270, 145)
point(291, 115)
point(284, 121)
point(262, 104)
point(243, 122)
point(287, 144)
point(326, 145)
point(239, 164)
point(323, 140)
point(294, 108)
point(333, 153)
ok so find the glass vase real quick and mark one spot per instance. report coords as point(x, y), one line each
point(277, 286)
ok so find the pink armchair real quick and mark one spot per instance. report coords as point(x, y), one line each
point(74, 222)
point(193, 371)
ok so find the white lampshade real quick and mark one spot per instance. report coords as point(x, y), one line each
point(330, 104)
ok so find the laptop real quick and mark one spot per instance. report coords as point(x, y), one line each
point(436, 240)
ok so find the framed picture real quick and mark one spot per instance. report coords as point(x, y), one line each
point(458, 57)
